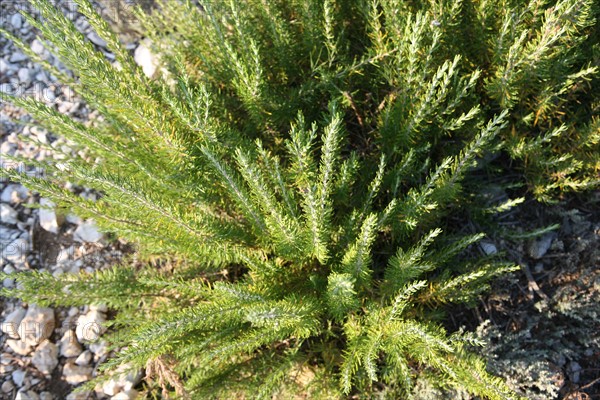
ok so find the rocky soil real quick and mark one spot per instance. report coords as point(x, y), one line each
point(542, 323)
point(46, 352)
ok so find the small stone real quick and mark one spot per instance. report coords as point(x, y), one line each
point(5, 370)
point(22, 396)
point(488, 248)
point(17, 56)
point(16, 21)
point(84, 358)
point(73, 219)
point(100, 348)
point(9, 269)
point(16, 252)
point(19, 347)
point(7, 387)
point(87, 232)
point(5, 66)
point(48, 95)
point(48, 219)
point(126, 395)
point(27, 395)
point(65, 256)
point(90, 326)
point(37, 325)
point(99, 307)
point(9, 149)
point(37, 47)
point(97, 40)
point(130, 379)
point(71, 6)
point(8, 215)
point(574, 371)
point(57, 272)
point(538, 248)
point(18, 377)
point(76, 374)
point(14, 193)
point(7, 235)
point(79, 396)
point(45, 358)
point(46, 396)
point(66, 107)
point(538, 268)
point(111, 387)
point(588, 352)
point(5, 359)
point(8, 283)
point(69, 346)
point(145, 59)
point(41, 77)
point(24, 75)
point(8, 88)
point(11, 323)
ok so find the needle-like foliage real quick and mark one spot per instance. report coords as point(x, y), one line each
point(294, 162)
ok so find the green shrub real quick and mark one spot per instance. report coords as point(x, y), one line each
point(292, 166)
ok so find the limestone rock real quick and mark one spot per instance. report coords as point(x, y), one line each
point(8, 215)
point(76, 374)
point(37, 325)
point(45, 358)
point(146, 59)
point(16, 252)
point(90, 326)
point(69, 346)
point(11, 322)
point(87, 232)
point(48, 219)
point(19, 347)
point(14, 193)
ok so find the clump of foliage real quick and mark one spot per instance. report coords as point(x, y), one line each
point(294, 162)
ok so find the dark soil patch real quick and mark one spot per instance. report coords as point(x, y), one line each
point(543, 322)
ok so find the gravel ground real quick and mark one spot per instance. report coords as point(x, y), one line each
point(47, 352)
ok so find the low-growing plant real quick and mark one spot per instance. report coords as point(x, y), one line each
point(292, 166)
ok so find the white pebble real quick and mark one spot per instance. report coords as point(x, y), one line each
point(97, 40)
point(5, 66)
point(84, 358)
point(16, 252)
point(18, 377)
point(146, 59)
point(126, 395)
point(8, 283)
point(7, 214)
point(45, 357)
point(47, 215)
point(14, 193)
point(538, 248)
point(87, 232)
point(69, 346)
point(16, 21)
point(11, 322)
point(24, 75)
point(48, 95)
point(488, 248)
point(37, 47)
point(7, 387)
point(17, 56)
point(19, 347)
point(90, 326)
point(37, 325)
point(75, 374)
